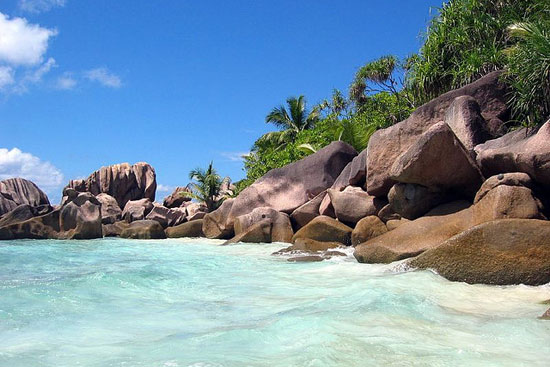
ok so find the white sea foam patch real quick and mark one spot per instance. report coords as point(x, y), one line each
point(196, 303)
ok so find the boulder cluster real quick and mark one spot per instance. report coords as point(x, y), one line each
point(445, 189)
point(116, 200)
point(442, 190)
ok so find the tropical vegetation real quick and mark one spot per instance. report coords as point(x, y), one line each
point(206, 187)
point(465, 40)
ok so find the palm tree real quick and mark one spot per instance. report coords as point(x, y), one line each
point(290, 121)
point(206, 187)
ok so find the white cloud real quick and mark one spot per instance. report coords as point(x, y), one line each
point(22, 43)
point(6, 76)
point(104, 77)
point(165, 188)
point(235, 156)
point(33, 76)
point(38, 6)
point(15, 163)
point(66, 82)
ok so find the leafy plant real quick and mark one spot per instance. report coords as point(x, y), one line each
point(290, 121)
point(529, 70)
point(464, 41)
point(206, 187)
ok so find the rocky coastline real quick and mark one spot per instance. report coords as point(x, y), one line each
point(445, 189)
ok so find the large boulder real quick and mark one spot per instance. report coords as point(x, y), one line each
point(195, 211)
point(110, 211)
point(188, 229)
point(411, 201)
point(167, 217)
point(503, 202)
point(144, 230)
point(501, 252)
point(464, 118)
point(287, 188)
point(281, 229)
point(353, 204)
point(80, 218)
point(386, 145)
point(520, 151)
point(439, 160)
point(122, 181)
point(259, 232)
point(414, 237)
point(325, 229)
point(366, 229)
point(137, 209)
point(219, 223)
point(307, 212)
point(114, 229)
point(177, 198)
point(18, 191)
point(354, 174)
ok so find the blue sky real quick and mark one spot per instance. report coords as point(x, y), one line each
point(174, 83)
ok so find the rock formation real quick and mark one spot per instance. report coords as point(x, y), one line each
point(122, 181)
point(18, 191)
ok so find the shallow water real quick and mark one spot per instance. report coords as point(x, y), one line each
point(115, 302)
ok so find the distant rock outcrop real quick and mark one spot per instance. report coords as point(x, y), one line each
point(123, 181)
point(79, 217)
point(18, 191)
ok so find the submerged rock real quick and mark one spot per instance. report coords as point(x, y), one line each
point(308, 245)
point(501, 252)
point(325, 229)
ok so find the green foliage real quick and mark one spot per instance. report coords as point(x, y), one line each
point(464, 42)
point(529, 70)
point(291, 122)
point(206, 186)
point(384, 75)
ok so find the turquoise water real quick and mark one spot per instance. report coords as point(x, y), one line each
point(115, 302)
